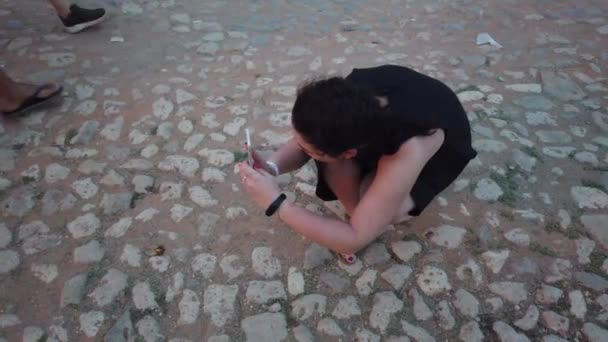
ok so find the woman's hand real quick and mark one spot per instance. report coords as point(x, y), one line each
point(260, 185)
point(259, 163)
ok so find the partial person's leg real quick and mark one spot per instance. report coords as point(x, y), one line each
point(344, 179)
point(15, 96)
point(62, 7)
point(403, 212)
point(75, 18)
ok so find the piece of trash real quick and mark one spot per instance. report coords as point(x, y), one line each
point(155, 251)
point(485, 38)
point(117, 40)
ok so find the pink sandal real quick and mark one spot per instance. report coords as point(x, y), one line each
point(348, 258)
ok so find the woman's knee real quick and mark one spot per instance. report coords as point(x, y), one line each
point(343, 179)
point(343, 170)
point(403, 214)
point(366, 183)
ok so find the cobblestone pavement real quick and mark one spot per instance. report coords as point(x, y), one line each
point(122, 218)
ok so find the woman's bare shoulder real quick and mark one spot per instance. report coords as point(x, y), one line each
point(419, 147)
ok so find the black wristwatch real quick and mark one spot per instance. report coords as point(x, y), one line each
point(274, 206)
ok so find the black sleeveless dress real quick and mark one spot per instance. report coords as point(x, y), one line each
point(415, 100)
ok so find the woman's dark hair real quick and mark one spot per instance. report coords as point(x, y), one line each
point(335, 115)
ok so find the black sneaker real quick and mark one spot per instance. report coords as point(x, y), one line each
point(81, 18)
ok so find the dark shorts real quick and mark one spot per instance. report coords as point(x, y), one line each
point(430, 183)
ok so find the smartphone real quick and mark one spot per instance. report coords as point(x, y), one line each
point(249, 147)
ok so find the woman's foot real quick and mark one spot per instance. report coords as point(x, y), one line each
point(82, 18)
point(26, 96)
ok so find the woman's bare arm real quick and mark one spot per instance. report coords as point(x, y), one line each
point(289, 157)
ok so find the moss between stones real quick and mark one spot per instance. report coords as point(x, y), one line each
point(576, 231)
point(552, 227)
point(597, 261)
point(507, 214)
point(508, 185)
point(593, 184)
point(71, 133)
point(536, 247)
point(239, 156)
point(531, 151)
point(468, 88)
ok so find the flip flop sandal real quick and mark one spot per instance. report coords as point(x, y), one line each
point(348, 258)
point(35, 99)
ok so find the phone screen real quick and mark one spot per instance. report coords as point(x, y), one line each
point(249, 147)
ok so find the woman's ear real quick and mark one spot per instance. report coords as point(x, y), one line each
point(350, 153)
